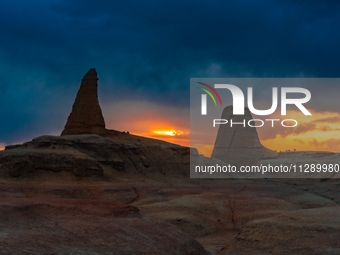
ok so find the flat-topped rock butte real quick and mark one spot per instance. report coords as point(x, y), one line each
point(99, 191)
point(235, 145)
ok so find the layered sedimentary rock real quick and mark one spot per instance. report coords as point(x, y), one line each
point(239, 144)
point(91, 155)
point(86, 116)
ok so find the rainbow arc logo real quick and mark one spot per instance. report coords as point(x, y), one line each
point(213, 95)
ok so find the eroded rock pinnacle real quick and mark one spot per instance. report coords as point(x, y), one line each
point(86, 116)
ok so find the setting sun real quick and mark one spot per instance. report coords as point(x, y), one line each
point(168, 132)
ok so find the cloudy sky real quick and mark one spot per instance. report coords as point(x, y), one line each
point(145, 53)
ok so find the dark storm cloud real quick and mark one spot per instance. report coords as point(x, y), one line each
point(150, 49)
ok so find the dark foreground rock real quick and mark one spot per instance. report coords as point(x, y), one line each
point(94, 156)
point(309, 231)
point(69, 226)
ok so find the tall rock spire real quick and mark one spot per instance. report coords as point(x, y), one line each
point(238, 144)
point(86, 116)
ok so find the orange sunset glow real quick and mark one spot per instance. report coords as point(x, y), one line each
point(150, 120)
point(319, 132)
point(158, 131)
point(168, 132)
point(2, 146)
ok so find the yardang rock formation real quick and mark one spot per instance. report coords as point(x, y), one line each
point(238, 144)
point(86, 116)
point(87, 149)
